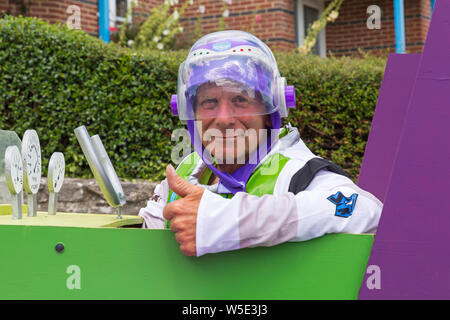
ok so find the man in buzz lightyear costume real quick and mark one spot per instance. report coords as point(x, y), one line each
point(249, 182)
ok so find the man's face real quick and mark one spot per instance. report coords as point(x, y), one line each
point(229, 119)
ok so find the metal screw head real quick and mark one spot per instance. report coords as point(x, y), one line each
point(59, 247)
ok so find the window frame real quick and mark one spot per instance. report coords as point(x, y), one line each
point(320, 6)
point(113, 18)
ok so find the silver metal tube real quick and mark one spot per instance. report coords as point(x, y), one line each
point(52, 203)
point(32, 204)
point(17, 206)
point(119, 212)
point(96, 166)
point(108, 167)
point(102, 168)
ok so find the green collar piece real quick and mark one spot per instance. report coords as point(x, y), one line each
point(262, 180)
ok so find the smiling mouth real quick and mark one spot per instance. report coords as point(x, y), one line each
point(229, 137)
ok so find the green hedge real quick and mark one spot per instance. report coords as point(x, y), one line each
point(53, 80)
point(336, 99)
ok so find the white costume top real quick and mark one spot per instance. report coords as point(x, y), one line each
point(247, 220)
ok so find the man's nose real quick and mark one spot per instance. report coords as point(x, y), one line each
point(225, 115)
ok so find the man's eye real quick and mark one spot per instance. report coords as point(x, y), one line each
point(209, 103)
point(240, 101)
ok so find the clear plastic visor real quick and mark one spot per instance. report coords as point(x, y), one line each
point(228, 86)
point(228, 98)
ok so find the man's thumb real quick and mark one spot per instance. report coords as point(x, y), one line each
point(178, 185)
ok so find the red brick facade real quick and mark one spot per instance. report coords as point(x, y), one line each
point(56, 11)
point(271, 21)
point(274, 21)
point(349, 32)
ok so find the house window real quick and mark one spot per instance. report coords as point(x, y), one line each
point(121, 9)
point(309, 11)
point(118, 11)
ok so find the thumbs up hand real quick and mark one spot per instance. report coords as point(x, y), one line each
point(182, 213)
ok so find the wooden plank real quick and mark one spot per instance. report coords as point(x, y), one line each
point(65, 219)
point(6, 209)
point(147, 264)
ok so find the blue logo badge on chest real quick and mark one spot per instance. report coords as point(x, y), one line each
point(344, 205)
point(155, 198)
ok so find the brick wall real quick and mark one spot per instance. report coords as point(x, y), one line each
point(9, 8)
point(273, 21)
point(56, 11)
point(142, 10)
point(349, 32)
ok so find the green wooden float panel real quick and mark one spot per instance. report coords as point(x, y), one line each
point(133, 263)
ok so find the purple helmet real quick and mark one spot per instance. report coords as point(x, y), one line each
point(237, 56)
point(232, 60)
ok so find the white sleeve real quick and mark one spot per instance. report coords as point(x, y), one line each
point(248, 221)
point(153, 212)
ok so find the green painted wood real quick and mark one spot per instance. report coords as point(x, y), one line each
point(131, 263)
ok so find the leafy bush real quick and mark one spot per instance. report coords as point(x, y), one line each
point(158, 31)
point(336, 99)
point(53, 80)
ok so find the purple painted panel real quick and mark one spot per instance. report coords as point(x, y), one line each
point(412, 245)
point(390, 114)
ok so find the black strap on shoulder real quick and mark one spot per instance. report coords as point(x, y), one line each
point(303, 177)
